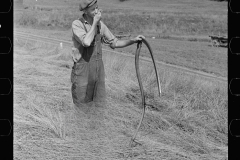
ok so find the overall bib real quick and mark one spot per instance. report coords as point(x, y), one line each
point(88, 76)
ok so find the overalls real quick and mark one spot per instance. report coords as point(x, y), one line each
point(88, 76)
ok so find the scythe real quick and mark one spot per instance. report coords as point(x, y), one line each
point(139, 45)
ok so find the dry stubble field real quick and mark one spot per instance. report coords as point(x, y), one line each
point(189, 121)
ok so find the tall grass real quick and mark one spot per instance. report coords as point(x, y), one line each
point(160, 24)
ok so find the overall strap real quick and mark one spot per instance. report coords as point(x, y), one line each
point(83, 21)
point(90, 53)
point(98, 28)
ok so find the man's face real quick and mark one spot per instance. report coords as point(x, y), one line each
point(92, 10)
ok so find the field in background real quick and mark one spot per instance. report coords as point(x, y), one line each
point(197, 6)
point(189, 121)
point(162, 19)
point(185, 26)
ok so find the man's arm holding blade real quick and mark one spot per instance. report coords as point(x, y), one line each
point(125, 43)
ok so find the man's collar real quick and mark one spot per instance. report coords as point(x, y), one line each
point(85, 21)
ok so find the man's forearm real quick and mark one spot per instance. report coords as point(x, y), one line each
point(90, 35)
point(124, 43)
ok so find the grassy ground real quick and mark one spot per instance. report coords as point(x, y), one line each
point(189, 121)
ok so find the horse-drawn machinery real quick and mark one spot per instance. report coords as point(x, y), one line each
point(219, 41)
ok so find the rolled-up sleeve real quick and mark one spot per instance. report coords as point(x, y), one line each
point(78, 30)
point(108, 37)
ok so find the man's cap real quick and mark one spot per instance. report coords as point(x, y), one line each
point(86, 3)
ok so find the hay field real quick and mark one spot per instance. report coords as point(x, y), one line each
point(189, 121)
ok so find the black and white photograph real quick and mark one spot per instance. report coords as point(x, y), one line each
point(120, 80)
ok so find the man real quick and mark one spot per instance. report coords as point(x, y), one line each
point(88, 76)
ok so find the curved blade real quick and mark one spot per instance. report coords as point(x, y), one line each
point(139, 45)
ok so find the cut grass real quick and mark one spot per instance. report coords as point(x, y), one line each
point(188, 121)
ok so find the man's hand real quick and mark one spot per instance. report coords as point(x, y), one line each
point(138, 38)
point(75, 55)
point(97, 16)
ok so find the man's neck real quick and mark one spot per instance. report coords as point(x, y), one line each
point(88, 19)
